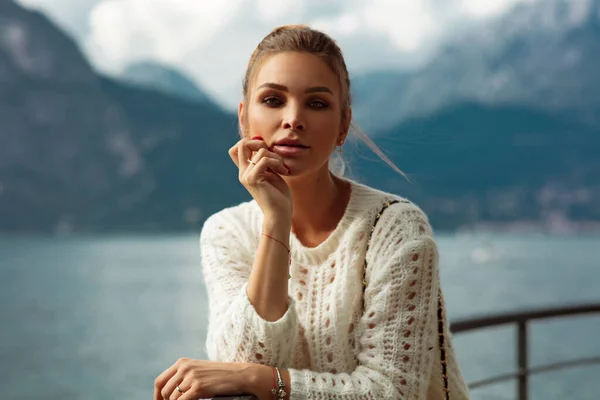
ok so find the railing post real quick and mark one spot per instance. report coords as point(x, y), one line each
point(523, 386)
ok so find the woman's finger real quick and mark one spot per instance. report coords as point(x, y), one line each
point(233, 153)
point(170, 389)
point(262, 153)
point(265, 163)
point(161, 381)
point(244, 153)
point(188, 393)
point(254, 145)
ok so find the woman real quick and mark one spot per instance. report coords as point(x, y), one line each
point(321, 333)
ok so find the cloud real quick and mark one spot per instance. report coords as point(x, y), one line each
point(121, 30)
point(406, 23)
point(271, 11)
point(212, 40)
point(71, 15)
point(487, 8)
point(409, 23)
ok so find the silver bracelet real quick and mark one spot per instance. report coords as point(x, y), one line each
point(280, 391)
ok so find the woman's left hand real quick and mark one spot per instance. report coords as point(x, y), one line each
point(199, 379)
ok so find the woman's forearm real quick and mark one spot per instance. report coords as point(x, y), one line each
point(268, 282)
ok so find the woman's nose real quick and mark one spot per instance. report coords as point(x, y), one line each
point(293, 120)
point(294, 124)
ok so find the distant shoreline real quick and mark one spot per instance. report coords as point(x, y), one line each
point(519, 227)
point(516, 227)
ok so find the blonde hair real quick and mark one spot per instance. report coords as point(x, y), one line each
point(301, 38)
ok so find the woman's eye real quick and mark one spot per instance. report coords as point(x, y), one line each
point(271, 101)
point(318, 104)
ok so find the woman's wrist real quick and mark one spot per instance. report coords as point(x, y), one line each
point(278, 229)
point(277, 224)
point(259, 379)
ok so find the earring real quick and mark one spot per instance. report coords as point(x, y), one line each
point(340, 149)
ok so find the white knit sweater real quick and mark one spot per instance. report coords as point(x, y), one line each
point(332, 349)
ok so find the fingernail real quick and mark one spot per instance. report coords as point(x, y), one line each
point(257, 138)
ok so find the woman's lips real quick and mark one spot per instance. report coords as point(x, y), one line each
point(286, 150)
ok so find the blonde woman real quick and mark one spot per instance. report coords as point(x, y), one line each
point(307, 299)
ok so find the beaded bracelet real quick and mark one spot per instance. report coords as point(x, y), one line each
point(278, 385)
point(274, 390)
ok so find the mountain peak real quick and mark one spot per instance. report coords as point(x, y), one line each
point(35, 48)
point(164, 78)
point(547, 15)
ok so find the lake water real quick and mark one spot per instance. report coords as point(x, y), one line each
point(101, 317)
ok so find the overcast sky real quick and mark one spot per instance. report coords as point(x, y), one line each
point(211, 40)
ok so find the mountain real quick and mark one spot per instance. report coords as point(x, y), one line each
point(184, 146)
point(471, 164)
point(165, 79)
point(83, 152)
point(65, 144)
point(373, 92)
point(544, 55)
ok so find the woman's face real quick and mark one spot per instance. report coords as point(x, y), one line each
point(295, 96)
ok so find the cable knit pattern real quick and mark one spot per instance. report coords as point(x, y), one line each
point(332, 348)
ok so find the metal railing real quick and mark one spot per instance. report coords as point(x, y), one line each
point(522, 319)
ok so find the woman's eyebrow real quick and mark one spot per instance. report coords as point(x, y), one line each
point(283, 88)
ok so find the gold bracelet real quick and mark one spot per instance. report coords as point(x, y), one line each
point(278, 241)
point(288, 250)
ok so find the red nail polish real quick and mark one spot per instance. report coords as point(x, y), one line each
point(257, 138)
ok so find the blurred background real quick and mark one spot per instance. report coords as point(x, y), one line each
point(116, 117)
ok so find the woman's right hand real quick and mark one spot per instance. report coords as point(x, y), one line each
point(263, 178)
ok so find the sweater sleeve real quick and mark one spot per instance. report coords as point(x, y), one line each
point(397, 332)
point(236, 332)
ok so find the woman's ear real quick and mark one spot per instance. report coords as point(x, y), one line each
point(241, 121)
point(345, 125)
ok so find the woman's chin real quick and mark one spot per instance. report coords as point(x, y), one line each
point(301, 169)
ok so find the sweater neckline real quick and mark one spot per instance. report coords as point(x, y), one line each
point(356, 204)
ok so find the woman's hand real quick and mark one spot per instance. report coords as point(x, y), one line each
point(199, 379)
point(263, 178)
